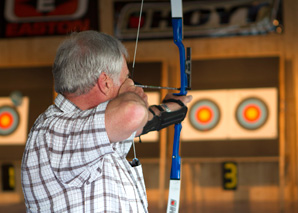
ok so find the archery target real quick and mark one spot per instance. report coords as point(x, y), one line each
point(231, 114)
point(204, 115)
point(9, 120)
point(206, 118)
point(255, 113)
point(251, 113)
point(13, 121)
point(153, 99)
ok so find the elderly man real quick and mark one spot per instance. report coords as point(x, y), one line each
point(75, 155)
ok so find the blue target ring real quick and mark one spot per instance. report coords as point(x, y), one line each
point(252, 113)
point(9, 120)
point(204, 115)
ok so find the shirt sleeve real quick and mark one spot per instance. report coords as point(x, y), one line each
point(78, 154)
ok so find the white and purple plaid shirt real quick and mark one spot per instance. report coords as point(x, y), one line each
point(69, 164)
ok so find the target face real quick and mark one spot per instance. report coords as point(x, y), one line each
point(9, 120)
point(204, 115)
point(251, 113)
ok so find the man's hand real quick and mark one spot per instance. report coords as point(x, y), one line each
point(128, 86)
point(174, 106)
point(171, 105)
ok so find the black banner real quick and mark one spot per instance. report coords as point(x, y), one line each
point(201, 18)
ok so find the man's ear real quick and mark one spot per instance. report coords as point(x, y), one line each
point(104, 83)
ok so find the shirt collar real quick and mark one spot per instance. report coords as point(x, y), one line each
point(65, 105)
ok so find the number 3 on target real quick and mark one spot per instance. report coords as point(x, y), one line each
point(230, 175)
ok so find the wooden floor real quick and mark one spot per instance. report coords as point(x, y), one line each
point(239, 207)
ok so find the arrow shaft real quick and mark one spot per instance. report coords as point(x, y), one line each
point(156, 87)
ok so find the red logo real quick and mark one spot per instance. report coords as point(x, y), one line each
point(44, 10)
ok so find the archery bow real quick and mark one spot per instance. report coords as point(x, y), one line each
point(185, 84)
point(185, 76)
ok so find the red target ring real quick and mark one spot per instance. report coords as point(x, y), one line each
point(9, 120)
point(204, 115)
point(252, 113)
point(6, 120)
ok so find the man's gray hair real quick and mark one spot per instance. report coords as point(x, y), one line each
point(83, 57)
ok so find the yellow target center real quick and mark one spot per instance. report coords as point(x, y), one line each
point(204, 115)
point(252, 113)
point(5, 121)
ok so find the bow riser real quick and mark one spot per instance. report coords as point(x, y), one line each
point(185, 70)
point(177, 34)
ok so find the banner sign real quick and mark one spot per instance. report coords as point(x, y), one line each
point(24, 18)
point(201, 18)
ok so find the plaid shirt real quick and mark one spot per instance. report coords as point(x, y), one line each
point(69, 164)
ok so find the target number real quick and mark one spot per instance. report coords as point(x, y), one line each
point(230, 176)
point(8, 177)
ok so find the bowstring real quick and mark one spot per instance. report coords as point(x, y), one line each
point(133, 64)
point(137, 39)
